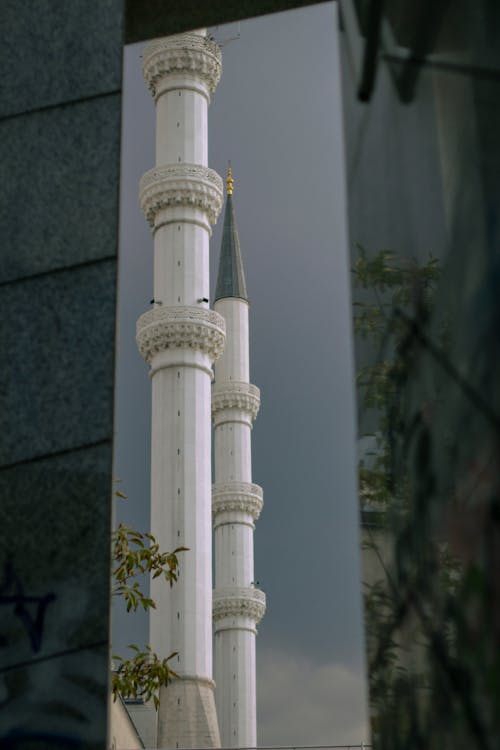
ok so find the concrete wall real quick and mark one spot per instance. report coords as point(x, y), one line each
point(122, 732)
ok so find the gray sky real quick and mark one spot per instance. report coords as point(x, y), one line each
point(277, 115)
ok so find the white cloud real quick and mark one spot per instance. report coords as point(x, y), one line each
point(304, 703)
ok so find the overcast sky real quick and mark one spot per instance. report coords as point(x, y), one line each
point(277, 115)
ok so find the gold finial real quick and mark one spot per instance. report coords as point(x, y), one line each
point(229, 179)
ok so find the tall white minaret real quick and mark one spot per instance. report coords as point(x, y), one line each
point(180, 338)
point(236, 503)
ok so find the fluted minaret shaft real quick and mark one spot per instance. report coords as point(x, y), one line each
point(180, 338)
point(236, 503)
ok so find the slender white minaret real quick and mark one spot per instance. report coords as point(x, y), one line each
point(236, 503)
point(180, 338)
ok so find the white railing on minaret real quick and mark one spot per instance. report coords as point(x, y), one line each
point(238, 605)
point(180, 338)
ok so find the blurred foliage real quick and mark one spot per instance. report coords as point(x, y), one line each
point(392, 287)
point(135, 554)
point(432, 611)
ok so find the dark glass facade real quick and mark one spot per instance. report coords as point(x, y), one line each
point(422, 120)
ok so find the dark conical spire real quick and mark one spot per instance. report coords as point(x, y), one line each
point(231, 277)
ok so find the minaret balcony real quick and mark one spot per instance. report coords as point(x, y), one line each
point(174, 186)
point(236, 502)
point(233, 396)
point(231, 607)
point(188, 55)
point(180, 327)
